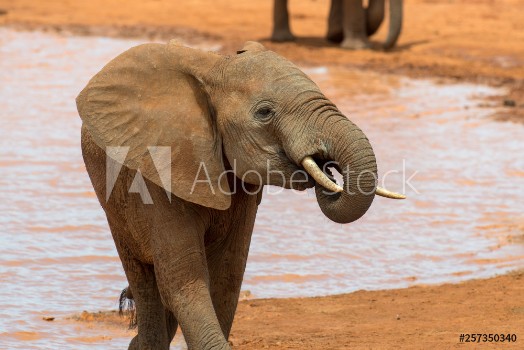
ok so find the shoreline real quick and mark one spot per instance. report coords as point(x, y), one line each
point(421, 316)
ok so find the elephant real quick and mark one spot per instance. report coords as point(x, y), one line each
point(178, 144)
point(349, 22)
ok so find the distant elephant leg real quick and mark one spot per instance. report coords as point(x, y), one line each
point(182, 275)
point(335, 31)
point(354, 23)
point(281, 29)
point(227, 261)
point(151, 314)
point(374, 16)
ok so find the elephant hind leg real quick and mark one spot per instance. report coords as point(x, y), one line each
point(171, 328)
point(150, 312)
point(156, 327)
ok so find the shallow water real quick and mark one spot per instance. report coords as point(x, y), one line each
point(57, 257)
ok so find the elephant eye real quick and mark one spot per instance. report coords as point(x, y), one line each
point(264, 113)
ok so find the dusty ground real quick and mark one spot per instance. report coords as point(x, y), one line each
point(418, 317)
point(474, 40)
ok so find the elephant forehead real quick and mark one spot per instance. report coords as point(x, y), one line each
point(263, 65)
point(277, 83)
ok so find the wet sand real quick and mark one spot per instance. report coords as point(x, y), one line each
point(429, 317)
point(421, 317)
point(452, 41)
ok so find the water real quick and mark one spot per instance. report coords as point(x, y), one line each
point(57, 257)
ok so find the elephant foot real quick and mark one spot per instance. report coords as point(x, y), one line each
point(335, 36)
point(282, 36)
point(355, 43)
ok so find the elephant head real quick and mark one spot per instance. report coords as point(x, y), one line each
point(255, 113)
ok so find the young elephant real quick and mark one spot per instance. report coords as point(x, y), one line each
point(198, 134)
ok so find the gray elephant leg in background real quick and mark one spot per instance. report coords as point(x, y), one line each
point(355, 36)
point(156, 327)
point(335, 32)
point(227, 256)
point(281, 28)
point(374, 15)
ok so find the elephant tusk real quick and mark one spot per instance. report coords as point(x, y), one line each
point(388, 194)
point(316, 173)
point(312, 169)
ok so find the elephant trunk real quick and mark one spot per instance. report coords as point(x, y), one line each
point(349, 151)
point(330, 140)
point(395, 23)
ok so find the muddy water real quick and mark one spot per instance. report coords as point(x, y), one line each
point(57, 257)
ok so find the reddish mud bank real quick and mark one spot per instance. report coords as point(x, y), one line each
point(422, 317)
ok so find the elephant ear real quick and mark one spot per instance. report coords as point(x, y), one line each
point(151, 102)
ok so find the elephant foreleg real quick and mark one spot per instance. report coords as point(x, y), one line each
point(355, 36)
point(183, 279)
point(281, 28)
point(227, 262)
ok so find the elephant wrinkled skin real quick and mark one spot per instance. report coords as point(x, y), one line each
point(184, 244)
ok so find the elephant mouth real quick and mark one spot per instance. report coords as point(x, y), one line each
point(301, 181)
point(291, 176)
